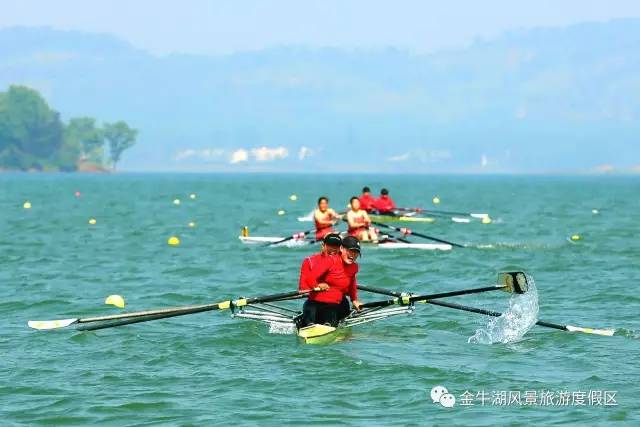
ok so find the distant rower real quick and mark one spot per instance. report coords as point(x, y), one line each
point(384, 204)
point(324, 217)
point(366, 200)
point(359, 222)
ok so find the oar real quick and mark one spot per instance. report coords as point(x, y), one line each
point(509, 285)
point(144, 316)
point(444, 213)
point(569, 328)
point(309, 217)
point(408, 231)
point(399, 239)
point(394, 237)
point(300, 235)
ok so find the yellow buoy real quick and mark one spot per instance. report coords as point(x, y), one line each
point(116, 300)
point(176, 201)
point(192, 224)
point(436, 200)
point(486, 220)
point(281, 212)
point(27, 205)
point(293, 197)
point(173, 241)
point(92, 221)
point(193, 196)
point(575, 237)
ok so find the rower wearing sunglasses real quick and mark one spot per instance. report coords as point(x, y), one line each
point(334, 274)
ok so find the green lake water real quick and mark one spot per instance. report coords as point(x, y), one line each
point(211, 369)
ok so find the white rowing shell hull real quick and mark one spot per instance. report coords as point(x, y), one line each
point(389, 245)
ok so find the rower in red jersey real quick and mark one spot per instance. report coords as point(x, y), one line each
point(358, 222)
point(324, 217)
point(335, 276)
point(330, 245)
point(384, 204)
point(366, 200)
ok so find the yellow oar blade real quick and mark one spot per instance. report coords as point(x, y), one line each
point(605, 332)
point(44, 325)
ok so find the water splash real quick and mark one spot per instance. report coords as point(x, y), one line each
point(282, 328)
point(516, 321)
point(629, 333)
point(307, 218)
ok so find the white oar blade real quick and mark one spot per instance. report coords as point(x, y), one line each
point(479, 215)
point(458, 219)
point(44, 325)
point(605, 332)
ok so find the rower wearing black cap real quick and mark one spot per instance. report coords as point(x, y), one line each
point(335, 275)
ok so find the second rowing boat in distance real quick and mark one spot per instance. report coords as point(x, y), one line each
point(255, 240)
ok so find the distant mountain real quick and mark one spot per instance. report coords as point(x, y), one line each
point(549, 99)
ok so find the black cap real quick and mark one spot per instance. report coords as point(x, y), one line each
point(366, 190)
point(384, 191)
point(351, 243)
point(332, 239)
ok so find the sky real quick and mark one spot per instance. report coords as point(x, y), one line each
point(216, 27)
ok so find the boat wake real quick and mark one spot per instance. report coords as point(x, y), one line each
point(516, 321)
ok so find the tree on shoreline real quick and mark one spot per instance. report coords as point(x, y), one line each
point(90, 139)
point(32, 136)
point(31, 133)
point(120, 137)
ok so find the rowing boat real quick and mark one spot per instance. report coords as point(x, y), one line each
point(249, 240)
point(271, 310)
point(280, 318)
